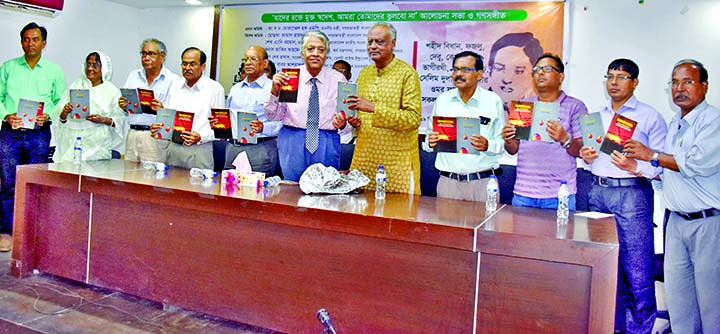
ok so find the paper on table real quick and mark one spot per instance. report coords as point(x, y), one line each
point(594, 215)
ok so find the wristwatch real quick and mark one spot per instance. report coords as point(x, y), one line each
point(567, 144)
point(654, 160)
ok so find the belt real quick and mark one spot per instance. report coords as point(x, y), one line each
point(611, 182)
point(238, 143)
point(471, 176)
point(140, 127)
point(699, 214)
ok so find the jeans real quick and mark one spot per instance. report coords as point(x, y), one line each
point(541, 203)
point(635, 305)
point(18, 147)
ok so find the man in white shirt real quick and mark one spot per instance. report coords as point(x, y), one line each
point(196, 94)
point(465, 176)
point(153, 75)
point(250, 95)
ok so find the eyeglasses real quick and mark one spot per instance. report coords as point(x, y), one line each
point(545, 69)
point(683, 83)
point(92, 65)
point(464, 70)
point(619, 77)
point(251, 60)
point(150, 54)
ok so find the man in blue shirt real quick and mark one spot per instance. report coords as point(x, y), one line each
point(691, 186)
point(250, 95)
point(30, 77)
point(621, 186)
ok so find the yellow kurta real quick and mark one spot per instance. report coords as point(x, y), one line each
point(389, 136)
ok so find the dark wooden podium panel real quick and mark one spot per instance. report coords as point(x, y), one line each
point(272, 259)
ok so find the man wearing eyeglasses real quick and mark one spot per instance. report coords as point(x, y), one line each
point(196, 94)
point(465, 176)
point(250, 95)
point(31, 77)
point(309, 134)
point(691, 187)
point(140, 146)
point(537, 180)
point(389, 114)
point(621, 186)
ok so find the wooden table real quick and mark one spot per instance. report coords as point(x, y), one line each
point(409, 264)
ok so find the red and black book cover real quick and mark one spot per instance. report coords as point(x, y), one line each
point(183, 122)
point(520, 115)
point(146, 97)
point(223, 127)
point(447, 130)
point(289, 91)
point(620, 131)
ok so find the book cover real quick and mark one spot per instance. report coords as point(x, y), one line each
point(133, 100)
point(345, 89)
point(592, 129)
point(289, 91)
point(520, 115)
point(620, 131)
point(223, 128)
point(466, 128)
point(183, 122)
point(167, 118)
point(542, 113)
point(245, 133)
point(29, 111)
point(446, 127)
point(80, 100)
point(146, 97)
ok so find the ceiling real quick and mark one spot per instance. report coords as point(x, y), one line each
point(181, 3)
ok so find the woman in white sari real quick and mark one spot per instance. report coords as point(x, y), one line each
point(104, 128)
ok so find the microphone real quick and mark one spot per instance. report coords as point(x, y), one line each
point(324, 317)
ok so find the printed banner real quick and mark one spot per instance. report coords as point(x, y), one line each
point(509, 35)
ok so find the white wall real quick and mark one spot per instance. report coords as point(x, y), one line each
point(655, 35)
point(117, 30)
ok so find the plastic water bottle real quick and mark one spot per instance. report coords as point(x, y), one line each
point(77, 158)
point(491, 202)
point(563, 209)
point(202, 173)
point(196, 172)
point(272, 181)
point(380, 180)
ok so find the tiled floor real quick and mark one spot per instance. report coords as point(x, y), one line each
point(50, 305)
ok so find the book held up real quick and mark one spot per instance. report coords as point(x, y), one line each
point(167, 118)
point(223, 127)
point(345, 89)
point(620, 131)
point(245, 133)
point(80, 100)
point(531, 119)
point(455, 133)
point(183, 122)
point(29, 110)
point(289, 91)
point(593, 130)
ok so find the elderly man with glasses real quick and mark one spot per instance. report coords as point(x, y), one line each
point(542, 166)
point(250, 95)
point(152, 75)
point(465, 176)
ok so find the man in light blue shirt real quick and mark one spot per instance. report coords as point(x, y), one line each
point(465, 176)
point(250, 95)
point(140, 146)
point(691, 185)
point(621, 186)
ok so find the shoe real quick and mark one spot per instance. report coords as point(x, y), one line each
point(6, 242)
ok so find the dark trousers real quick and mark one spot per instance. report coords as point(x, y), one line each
point(18, 147)
point(635, 305)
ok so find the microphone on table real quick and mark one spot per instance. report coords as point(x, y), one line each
point(324, 317)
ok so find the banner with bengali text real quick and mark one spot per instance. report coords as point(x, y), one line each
point(509, 35)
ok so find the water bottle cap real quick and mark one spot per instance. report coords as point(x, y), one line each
point(563, 182)
point(492, 176)
point(381, 166)
point(78, 138)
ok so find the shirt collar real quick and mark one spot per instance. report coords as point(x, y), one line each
point(40, 63)
point(198, 85)
point(260, 82)
point(389, 66)
point(693, 114)
point(630, 104)
point(475, 96)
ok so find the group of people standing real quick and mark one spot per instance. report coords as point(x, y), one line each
point(297, 135)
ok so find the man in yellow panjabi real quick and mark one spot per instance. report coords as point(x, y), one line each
point(389, 114)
